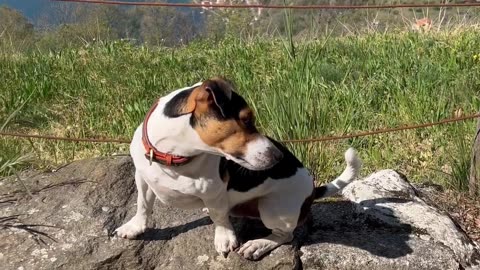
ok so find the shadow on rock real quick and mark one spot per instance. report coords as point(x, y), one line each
point(338, 223)
point(157, 234)
point(331, 222)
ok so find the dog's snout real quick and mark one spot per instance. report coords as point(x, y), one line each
point(275, 154)
point(261, 154)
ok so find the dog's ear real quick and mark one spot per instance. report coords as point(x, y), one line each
point(215, 92)
point(220, 92)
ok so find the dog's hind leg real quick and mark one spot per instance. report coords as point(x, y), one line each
point(281, 217)
point(145, 199)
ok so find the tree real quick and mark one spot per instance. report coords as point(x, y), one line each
point(166, 26)
point(67, 24)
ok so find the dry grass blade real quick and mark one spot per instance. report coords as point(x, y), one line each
point(13, 222)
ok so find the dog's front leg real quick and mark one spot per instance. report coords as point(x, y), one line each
point(145, 199)
point(225, 238)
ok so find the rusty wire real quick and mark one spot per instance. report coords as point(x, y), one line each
point(205, 5)
point(320, 139)
point(385, 130)
point(57, 138)
point(309, 140)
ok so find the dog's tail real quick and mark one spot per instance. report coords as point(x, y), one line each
point(349, 174)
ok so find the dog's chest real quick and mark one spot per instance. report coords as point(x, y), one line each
point(172, 188)
point(173, 197)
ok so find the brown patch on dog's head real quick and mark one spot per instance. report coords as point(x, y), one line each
point(221, 117)
point(214, 94)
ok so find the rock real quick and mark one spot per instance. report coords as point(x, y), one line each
point(68, 224)
point(387, 196)
point(385, 225)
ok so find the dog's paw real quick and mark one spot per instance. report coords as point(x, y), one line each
point(254, 249)
point(225, 240)
point(131, 229)
point(205, 210)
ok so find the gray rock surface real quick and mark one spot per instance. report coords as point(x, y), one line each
point(390, 198)
point(68, 223)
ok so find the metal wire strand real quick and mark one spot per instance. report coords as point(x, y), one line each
point(308, 140)
point(196, 5)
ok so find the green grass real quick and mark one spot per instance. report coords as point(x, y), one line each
point(329, 86)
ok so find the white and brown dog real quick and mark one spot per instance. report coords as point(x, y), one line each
point(199, 148)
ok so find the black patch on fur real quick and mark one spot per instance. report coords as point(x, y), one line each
point(231, 107)
point(227, 109)
point(242, 179)
point(223, 109)
point(223, 167)
point(174, 106)
point(320, 191)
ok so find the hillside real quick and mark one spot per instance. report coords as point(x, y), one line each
point(32, 9)
point(36, 9)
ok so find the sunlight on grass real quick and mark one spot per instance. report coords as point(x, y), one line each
point(335, 86)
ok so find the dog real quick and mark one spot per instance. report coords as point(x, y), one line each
point(199, 148)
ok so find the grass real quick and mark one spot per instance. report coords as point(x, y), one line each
point(329, 86)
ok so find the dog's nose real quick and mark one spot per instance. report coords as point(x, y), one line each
point(275, 154)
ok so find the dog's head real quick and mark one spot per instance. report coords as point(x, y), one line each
point(225, 124)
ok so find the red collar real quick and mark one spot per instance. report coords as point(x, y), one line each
point(153, 154)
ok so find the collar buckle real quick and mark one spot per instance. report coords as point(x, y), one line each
point(151, 157)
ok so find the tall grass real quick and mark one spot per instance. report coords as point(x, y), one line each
point(330, 86)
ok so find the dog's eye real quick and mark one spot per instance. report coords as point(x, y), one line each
point(248, 121)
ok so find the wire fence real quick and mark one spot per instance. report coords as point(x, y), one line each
point(212, 5)
point(177, 24)
point(308, 140)
point(209, 4)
